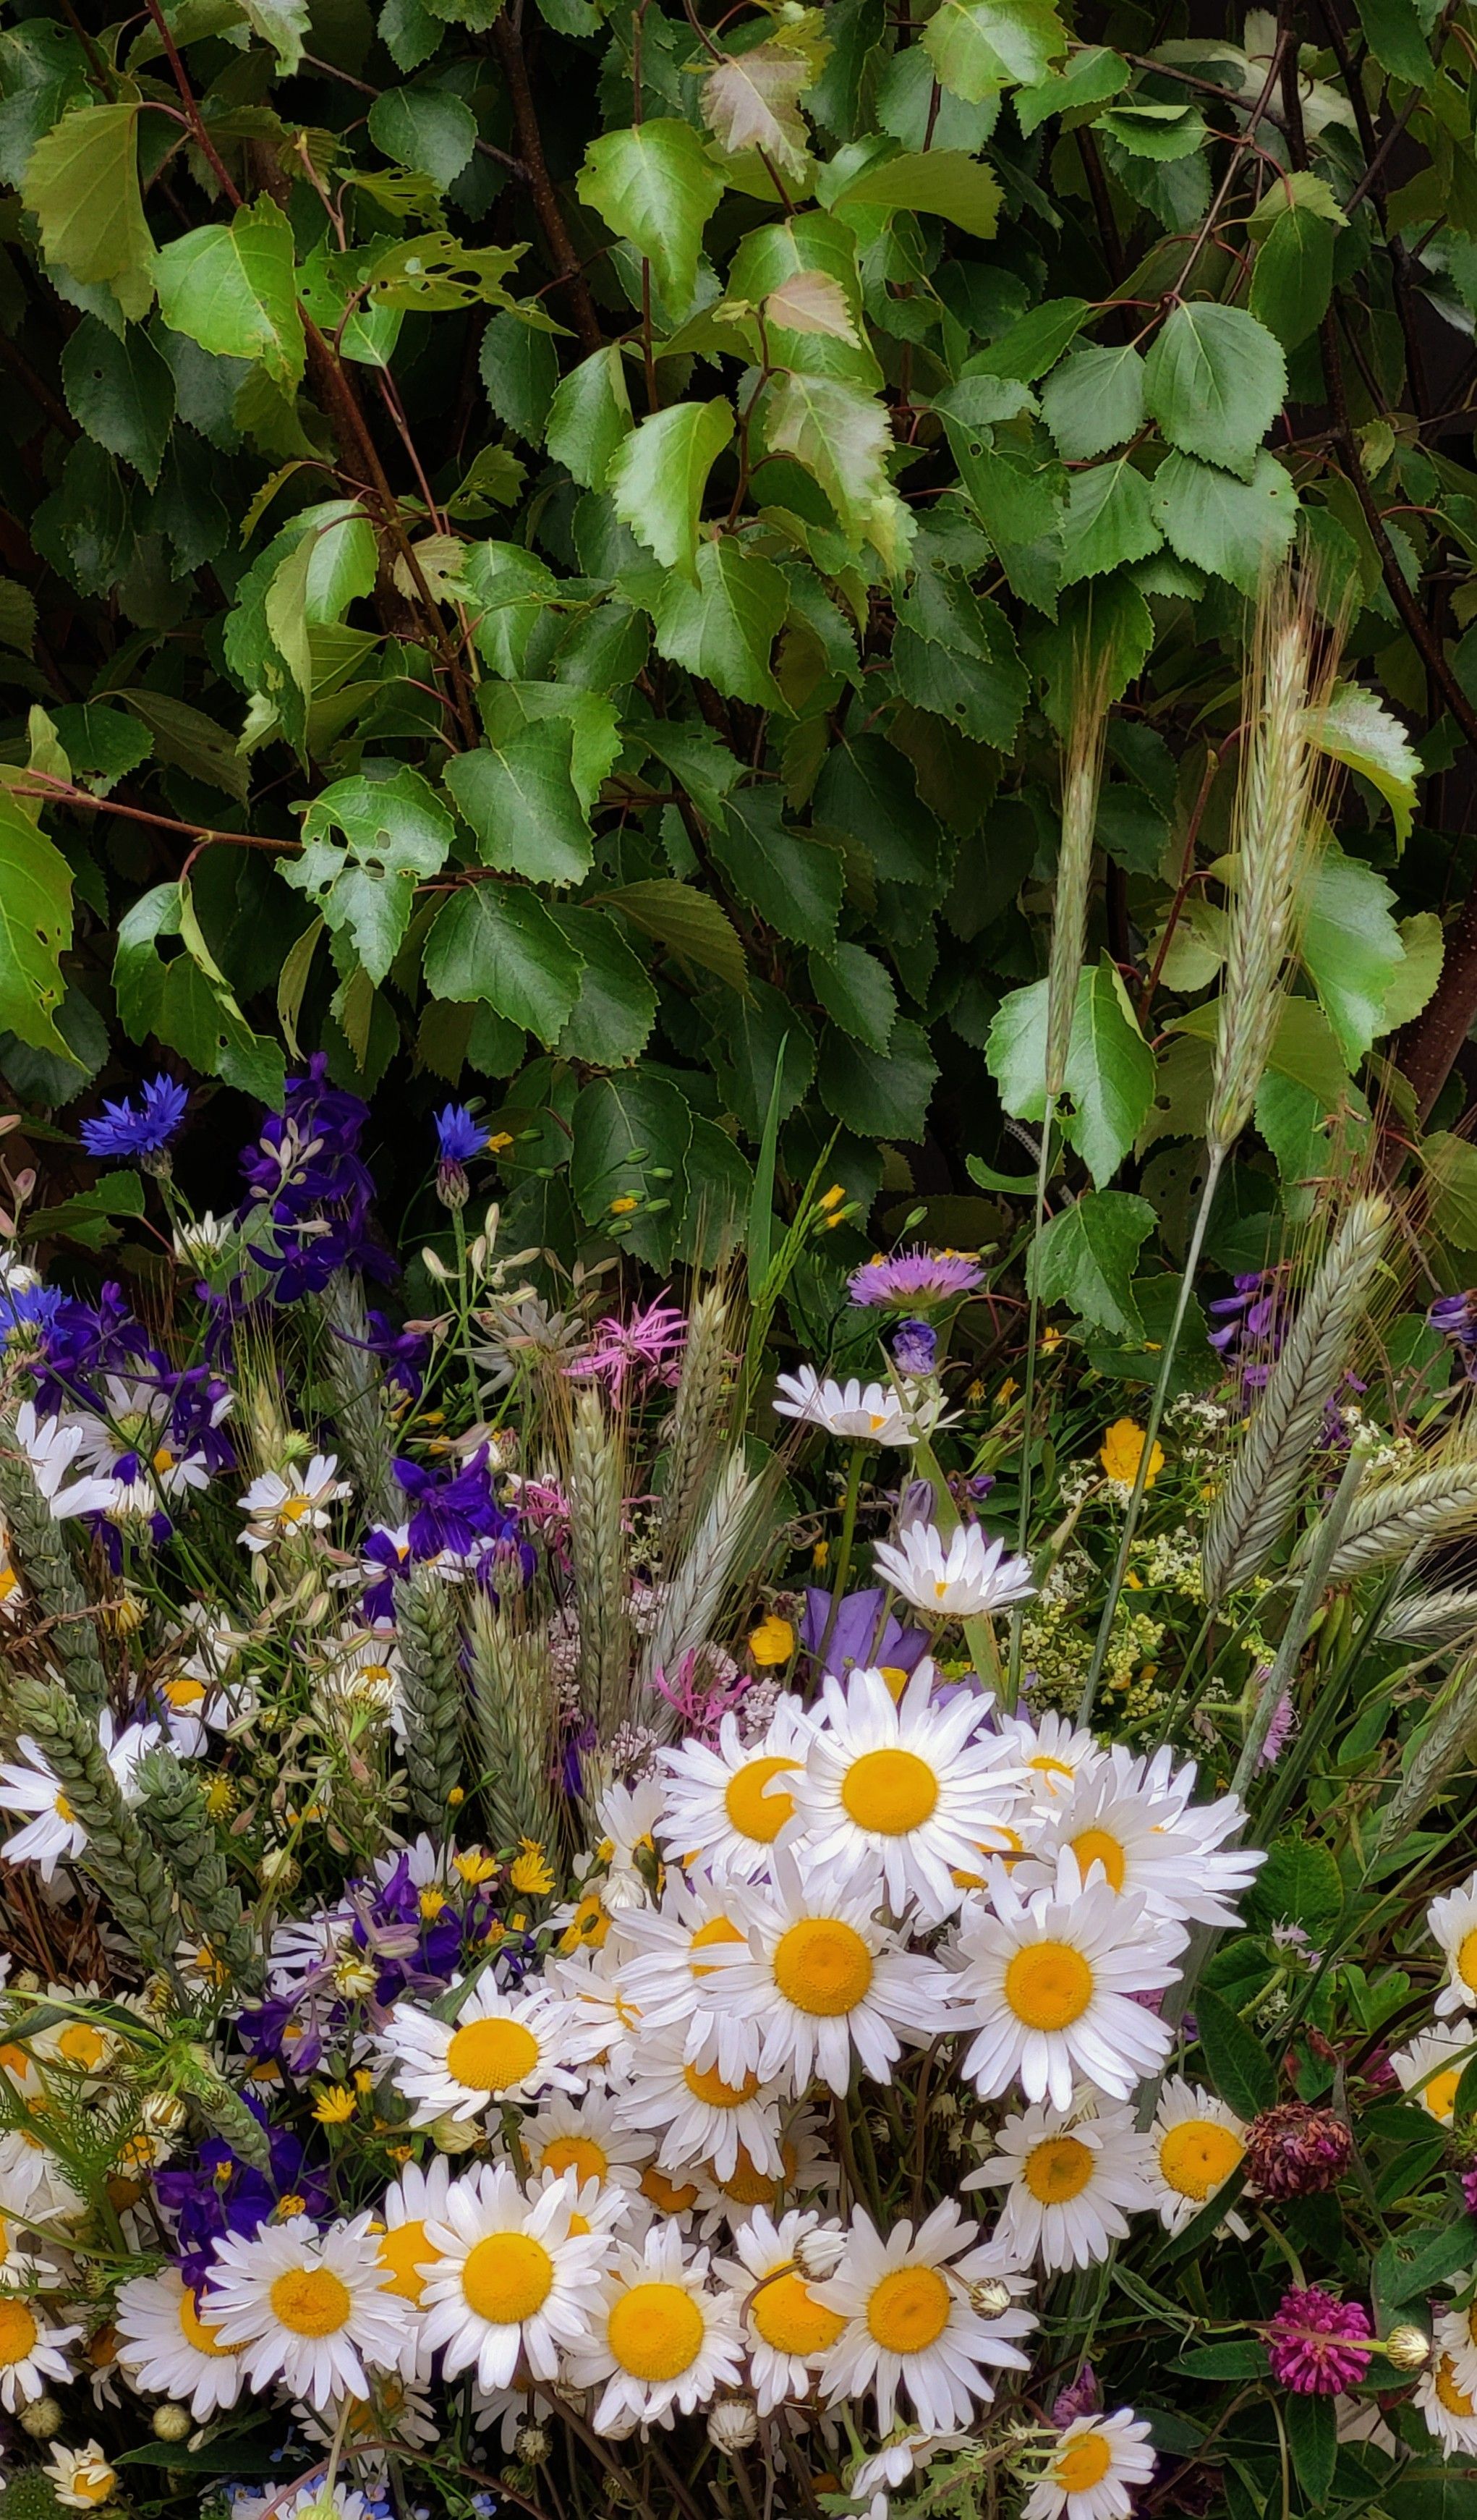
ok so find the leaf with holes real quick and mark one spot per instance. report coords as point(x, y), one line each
point(394, 833)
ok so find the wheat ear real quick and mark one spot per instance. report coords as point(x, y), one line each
point(1445, 1744)
point(689, 1602)
point(430, 1692)
point(40, 1550)
point(1081, 779)
point(172, 1804)
point(598, 1549)
point(1403, 1514)
point(361, 1402)
point(693, 1427)
point(515, 1718)
point(1430, 1618)
point(1257, 1501)
point(118, 1855)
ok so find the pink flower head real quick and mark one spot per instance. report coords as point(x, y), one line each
point(1315, 2343)
point(1469, 2190)
point(706, 1682)
point(1080, 2397)
point(911, 1281)
point(649, 1345)
point(1283, 1720)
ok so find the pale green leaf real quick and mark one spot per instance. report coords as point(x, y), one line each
point(589, 416)
point(35, 928)
point(657, 475)
point(282, 23)
point(395, 831)
point(1215, 379)
point(979, 46)
point(1109, 1072)
point(233, 290)
point(655, 185)
point(1086, 1259)
point(948, 182)
point(752, 100)
point(1357, 729)
point(1352, 948)
point(82, 185)
point(1108, 521)
point(844, 438)
point(424, 128)
point(1415, 981)
point(1016, 1052)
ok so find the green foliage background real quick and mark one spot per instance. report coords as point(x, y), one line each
point(548, 551)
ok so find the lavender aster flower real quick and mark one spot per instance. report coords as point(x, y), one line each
point(912, 1280)
point(1081, 2397)
point(1316, 2344)
point(120, 1133)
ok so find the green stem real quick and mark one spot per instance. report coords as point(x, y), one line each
point(464, 1310)
point(1028, 1392)
point(1134, 1503)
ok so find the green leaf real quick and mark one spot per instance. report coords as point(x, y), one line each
point(844, 438)
point(82, 185)
point(589, 416)
point(1292, 280)
point(750, 99)
point(655, 186)
point(616, 1006)
point(1402, 2271)
point(782, 266)
point(1233, 529)
point(631, 1136)
point(1352, 948)
point(1086, 1259)
point(866, 788)
point(1108, 521)
point(857, 992)
point(1313, 2440)
point(947, 182)
point(395, 831)
point(725, 626)
point(1449, 1164)
point(980, 46)
point(103, 744)
point(36, 929)
point(656, 477)
point(424, 128)
point(1237, 2064)
point(1033, 345)
point(878, 1097)
point(1215, 379)
point(18, 616)
point(497, 945)
point(1415, 981)
point(233, 290)
point(792, 880)
point(519, 367)
point(519, 798)
point(1094, 400)
point(122, 392)
point(282, 23)
point(690, 923)
point(1357, 729)
point(1241, 2359)
point(1090, 76)
point(1299, 1884)
point(720, 1191)
point(590, 716)
point(1109, 1072)
point(1016, 1051)
point(190, 740)
point(1395, 33)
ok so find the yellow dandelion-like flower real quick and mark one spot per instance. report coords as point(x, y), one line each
point(832, 1197)
point(499, 1141)
point(476, 1868)
point(457, 1795)
point(1122, 1449)
point(430, 1903)
point(626, 1206)
point(530, 1870)
point(772, 1643)
point(336, 2105)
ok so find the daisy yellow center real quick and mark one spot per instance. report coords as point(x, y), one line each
point(18, 2332)
point(1466, 1959)
point(1058, 2169)
point(311, 2301)
point(823, 1966)
point(1439, 2095)
point(908, 2311)
point(578, 2152)
point(655, 2331)
point(81, 2045)
point(718, 1929)
point(1048, 1986)
point(706, 2083)
point(64, 1810)
point(184, 1693)
point(890, 1792)
point(754, 1812)
point(490, 2056)
point(1455, 2401)
point(1198, 2156)
point(791, 2319)
point(405, 2255)
point(660, 2190)
point(91, 2480)
point(1084, 2463)
point(198, 2331)
point(294, 1507)
point(749, 2186)
point(1096, 1846)
point(506, 2277)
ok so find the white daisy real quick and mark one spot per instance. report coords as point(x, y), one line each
point(1069, 2174)
point(909, 1787)
point(499, 2048)
point(789, 2332)
point(821, 1981)
point(872, 1415)
point(31, 2352)
point(55, 1835)
point(1433, 2064)
point(1052, 1755)
point(604, 2018)
point(671, 1972)
point(1456, 2337)
point(164, 2344)
point(360, 1675)
point(958, 1578)
point(292, 1499)
point(661, 2339)
point(1196, 2144)
point(510, 2278)
point(1136, 1839)
point(605, 2211)
point(1452, 1921)
point(406, 2252)
point(702, 2117)
point(1449, 2410)
point(309, 2307)
point(50, 1448)
point(729, 1801)
point(911, 2322)
point(585, 2136)
point(1095, 2470)
point(81, 2479)
point(896, 2463)
point(1047, 1984)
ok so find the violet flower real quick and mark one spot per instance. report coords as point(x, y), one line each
point(914, 1347)
point(913, 1280)
point(857, 1639)
point(1455, 1318)
point(1319, 2345)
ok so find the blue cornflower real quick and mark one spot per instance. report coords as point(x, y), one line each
point(458, 1136)
point(122, 1133)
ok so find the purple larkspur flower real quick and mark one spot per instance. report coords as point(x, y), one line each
point(309, 1214)
point(914, 1347)
point(224, 2195)
point(1469, 2190)
point(912, 1280)
point(120, 1133)
point(1318, 2345)
point(1455, 1318)
point(860, 1635)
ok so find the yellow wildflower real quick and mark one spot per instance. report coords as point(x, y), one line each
point(832, 1197)
point(476, 1868)
point(1122, 1450)
point(624, 1206)
point(529, 1871)
point(334, 2106)
point(430, 1903)
point(457, 1795)
point(773, 1641)
point(499, 1142)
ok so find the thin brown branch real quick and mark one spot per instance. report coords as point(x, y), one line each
point(551, 217)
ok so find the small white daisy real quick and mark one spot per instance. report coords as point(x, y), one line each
point(1095, 2470)
point(661, 2339)
point(1052, 1755)
point(31, 2352)
point(1452, 1922)
point(1196, 2144)
point(1431, 2067)
point(81, 2480)
point(604, 2018)
point(499, 2048)
point(910, 1787)
point(292, 1499)
point(729, 1802)
point(809, 2175)
point(407, 2254)
point(1070, 2175)
point(1456, 2337)
point(1047, 1984)
point(820, 1982)
point(671, 1975)
point(309, 2307)
point(55, 1835)
point(702, 2117)
point(958, 1578)
point(510, 2278)
point(911, 2323)
point(164, 2344)
point(585, 2136)
point(869, 1415)
point(1141, 1841)
point(1449, 2410)
point(789, 2332)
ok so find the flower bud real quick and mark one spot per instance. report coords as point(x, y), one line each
point(42, 2419)
point(173, 2423)
point(531, 2443)
point(1407, 2347)
point(990, 2297)
point(454, 2134)
point(732, 2424)
point(818, 2253)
